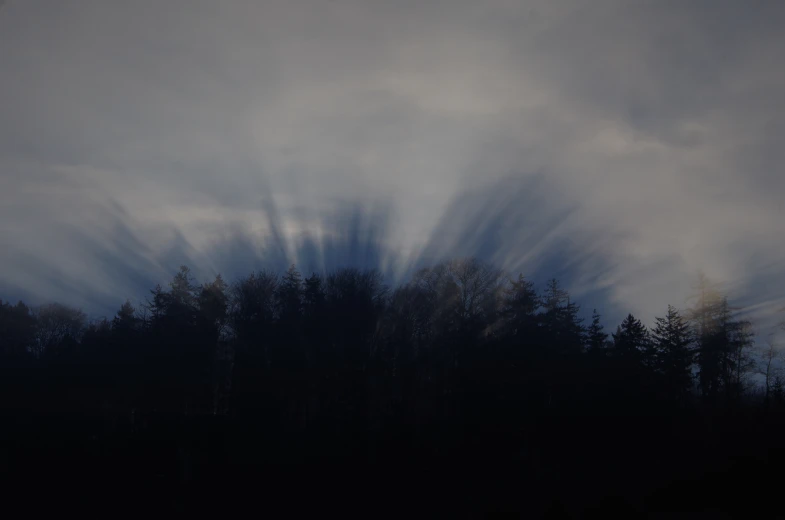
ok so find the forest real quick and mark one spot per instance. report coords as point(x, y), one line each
point(463, 389)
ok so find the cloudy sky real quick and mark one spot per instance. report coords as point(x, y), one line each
point(622, 146)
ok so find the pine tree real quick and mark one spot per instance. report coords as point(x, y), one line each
point(554, 296)
point(709, 345)
point(17, 329)
point(632, 341)
point(673, 349)
point(562, 324)
point(738, 339)
point(213, 303)
point(182, 294)
point(313, 294)
point(519, 306)
point(723, 344)
point(596, 337)
point(125, 317)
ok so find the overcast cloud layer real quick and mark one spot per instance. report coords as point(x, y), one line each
point(620, 145)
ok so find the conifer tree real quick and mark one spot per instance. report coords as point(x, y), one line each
point(596, 337)
point(519, 306)
point(673, 350)
point(632, 341)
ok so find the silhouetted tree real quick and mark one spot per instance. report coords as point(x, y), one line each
point(213, 304)
point(458, 367)
point(723, 345)
point(596, 337)
point(632, 341)
point(561, 320)
point(632, 363)
point(57, 327)
point(251, 316)
point(17, 329)
point(771, 356)
point(673, 350)
point(710, 345)
point(290, 296)
point(778, 391)
point(519, 308)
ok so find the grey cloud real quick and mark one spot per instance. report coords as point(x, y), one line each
point(622, 146)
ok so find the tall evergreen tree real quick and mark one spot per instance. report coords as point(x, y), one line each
point(738, 337)
point(674, 354)
point(723, 344)
point(561, 323)
point(632, 341)
point(17, 329)
point(213, 304)
point(709, 345)
point(596, 338)
point(313, 295)
point(519, 307)
point(125, 318)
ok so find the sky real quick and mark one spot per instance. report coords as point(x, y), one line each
point(621, 146)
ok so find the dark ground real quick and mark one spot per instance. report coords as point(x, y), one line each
point(554, 467)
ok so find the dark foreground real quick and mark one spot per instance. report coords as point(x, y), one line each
point(462, 391)
point(555, 467)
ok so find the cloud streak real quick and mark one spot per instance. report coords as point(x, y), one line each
point(620, 146)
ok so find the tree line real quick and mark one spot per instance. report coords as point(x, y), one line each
point(461, 358)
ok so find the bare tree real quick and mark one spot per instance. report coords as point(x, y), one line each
point(478, 286)
point(771, 356)
point(54, 324)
